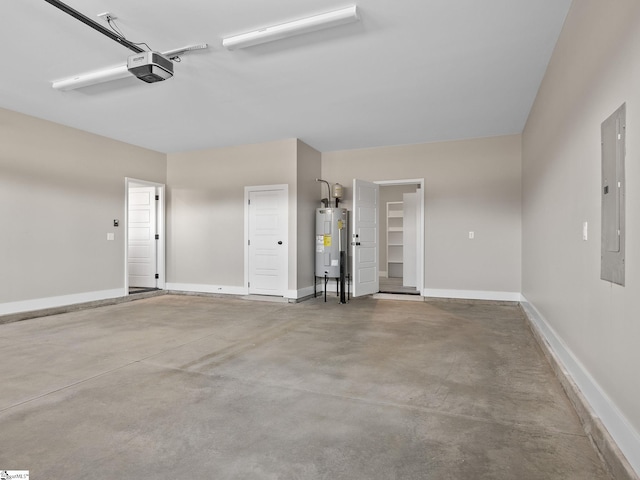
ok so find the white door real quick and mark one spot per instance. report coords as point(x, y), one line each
point(267, 242)
point(142, 237)
point(410, 239)
point(365, 238)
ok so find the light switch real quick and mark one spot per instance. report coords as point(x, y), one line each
point(585, 231)
point(472, 235)
point(111, 236)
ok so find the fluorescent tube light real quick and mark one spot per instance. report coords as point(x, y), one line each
point(189, 48)
point(92, 78)
point(289, 29)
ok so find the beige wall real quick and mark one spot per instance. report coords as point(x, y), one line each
point(206, 209)
point(471, 185)
point(595, 68)
point(60, 190)
point(308, 168)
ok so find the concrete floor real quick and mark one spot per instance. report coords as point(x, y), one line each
point(222, 388)
point(395, 285)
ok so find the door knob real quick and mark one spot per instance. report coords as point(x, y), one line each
point(280, 242)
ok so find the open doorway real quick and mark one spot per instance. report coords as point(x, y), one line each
point(370, 237)
point(144, 233)
point(400, 239)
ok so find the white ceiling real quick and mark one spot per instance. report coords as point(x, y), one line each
point(410, 71)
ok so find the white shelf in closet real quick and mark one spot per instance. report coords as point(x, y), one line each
point(395, 242)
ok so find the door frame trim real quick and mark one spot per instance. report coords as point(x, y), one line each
point(421, 223)
point(160, 226)
point(262, 188)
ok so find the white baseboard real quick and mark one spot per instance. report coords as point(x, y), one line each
point(331, 284)
point(396, 296)
point(441, 293)
point(472, 295)
point(59, 301)
point(231, 290)
point(599, 405)
point(300, 293)
point(204, 288)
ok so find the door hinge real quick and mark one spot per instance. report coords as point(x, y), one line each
point(157, 197)
point(157, 236)
point(249, 202)
point(157, 276)
point(248, 284)
point(248, 242)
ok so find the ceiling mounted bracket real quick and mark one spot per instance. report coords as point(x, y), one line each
point(95, 25)
point(107, 16)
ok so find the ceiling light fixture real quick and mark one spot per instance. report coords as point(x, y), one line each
point(113, 73)
point(92, 78)
point(289, 29)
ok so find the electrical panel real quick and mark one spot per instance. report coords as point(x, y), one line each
point(613, 197)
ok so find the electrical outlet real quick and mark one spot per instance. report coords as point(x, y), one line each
point(585, 231)
point(472, 235)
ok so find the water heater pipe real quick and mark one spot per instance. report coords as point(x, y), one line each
point(328, 187)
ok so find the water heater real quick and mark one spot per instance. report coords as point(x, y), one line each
point(331, 239)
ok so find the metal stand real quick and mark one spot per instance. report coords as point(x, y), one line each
point(326, 281)
point(342, 277)
point(343, 283)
